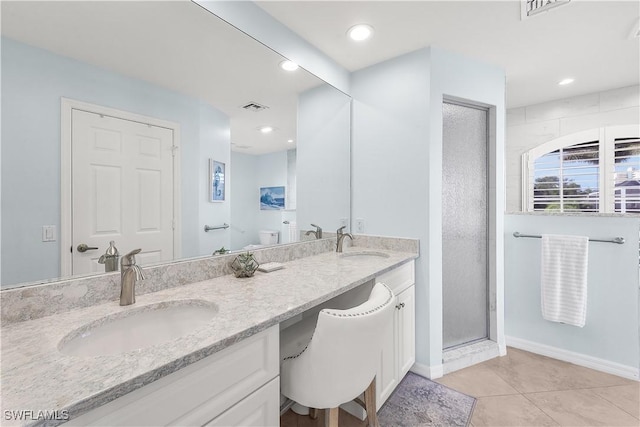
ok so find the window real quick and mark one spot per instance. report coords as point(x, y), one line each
point(626, 175)
point(592, 171)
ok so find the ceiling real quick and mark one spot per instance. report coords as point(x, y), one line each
point(587, 40)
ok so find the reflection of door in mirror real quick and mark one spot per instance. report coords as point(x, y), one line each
point(122, 189)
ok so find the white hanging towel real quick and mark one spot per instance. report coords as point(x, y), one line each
point(564, 278)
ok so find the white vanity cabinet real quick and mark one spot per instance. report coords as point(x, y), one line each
point(398, 353)
point(238, 386)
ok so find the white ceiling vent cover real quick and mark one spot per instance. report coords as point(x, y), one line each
point(533, 7)
point(254, 106)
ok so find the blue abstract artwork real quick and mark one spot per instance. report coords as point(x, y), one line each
point(271, 198)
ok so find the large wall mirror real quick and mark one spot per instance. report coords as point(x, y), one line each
point(143, 122)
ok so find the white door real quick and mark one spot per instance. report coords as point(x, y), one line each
point(122, 189)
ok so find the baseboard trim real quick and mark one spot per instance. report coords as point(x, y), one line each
point(431, 372)
point(591, 362)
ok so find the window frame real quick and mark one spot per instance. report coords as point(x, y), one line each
point(605, 136)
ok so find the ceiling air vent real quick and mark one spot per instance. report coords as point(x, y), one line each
point(254, 106)
point(533, 7)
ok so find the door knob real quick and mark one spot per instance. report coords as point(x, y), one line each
point(82, 247)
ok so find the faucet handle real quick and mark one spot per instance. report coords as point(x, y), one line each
point(340, 230)
point(129, 259)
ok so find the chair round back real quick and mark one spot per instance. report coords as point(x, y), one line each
point(343, 354)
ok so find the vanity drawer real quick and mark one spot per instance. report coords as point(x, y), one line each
point(260, 409)
point(400, 278)
point(199, 392)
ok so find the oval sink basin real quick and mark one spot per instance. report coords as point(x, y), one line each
point(364, 255)
point(138, 328)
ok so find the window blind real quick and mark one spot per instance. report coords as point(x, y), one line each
point(626, 177)
point(566, 179)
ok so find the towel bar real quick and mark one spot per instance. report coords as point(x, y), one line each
point(217, 227)
point(619, 240)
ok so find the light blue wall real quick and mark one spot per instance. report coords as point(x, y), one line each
point(33, 81)
point(249, 173)
point(323, 158)
point(272, 172)
point(456, 76)
point(215, 144)
point(397, 163)
point(244, 210)
point(390, 147)
point(611, 330)
point(254, 21)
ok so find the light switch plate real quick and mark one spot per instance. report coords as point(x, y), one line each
point(48, 233)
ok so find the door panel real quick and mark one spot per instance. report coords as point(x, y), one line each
point(464, 224)
point(122, 189)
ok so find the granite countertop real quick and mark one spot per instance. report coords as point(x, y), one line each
point(37, 377)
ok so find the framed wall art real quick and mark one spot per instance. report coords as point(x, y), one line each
point(271, 198)
point(217, 189)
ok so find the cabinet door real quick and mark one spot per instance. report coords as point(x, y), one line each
point(386, 377)
point(406, 345)
point(260, 409)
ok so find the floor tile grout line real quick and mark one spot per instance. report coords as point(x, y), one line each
point(564, 389)
point(543, 391)
point(541, 410)
point(492, 395)
point(614, 403)
point(596, 396)
point(503, 379)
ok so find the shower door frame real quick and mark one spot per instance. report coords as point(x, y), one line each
point(490, 332)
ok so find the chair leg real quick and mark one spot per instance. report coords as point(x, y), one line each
point(370, 404)
point(331, 417)
point(313, 413)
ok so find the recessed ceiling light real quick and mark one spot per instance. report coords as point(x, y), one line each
point(288, 65)
point(565, 81)
point(360, 32)
point(290, 141)
point(266, 129)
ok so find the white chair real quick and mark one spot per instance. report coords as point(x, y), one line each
point(341, 360)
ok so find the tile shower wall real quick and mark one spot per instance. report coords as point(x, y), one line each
point(531, 126)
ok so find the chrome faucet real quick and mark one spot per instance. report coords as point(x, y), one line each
point(130, 273)
point(341, 235)
point(317, 232)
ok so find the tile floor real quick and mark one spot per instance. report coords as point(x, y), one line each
point(525, 389)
